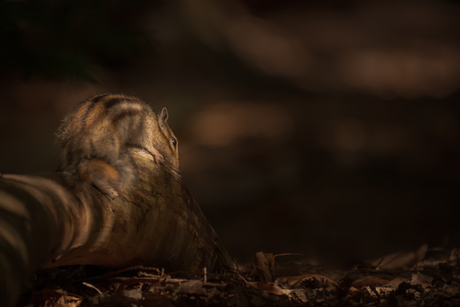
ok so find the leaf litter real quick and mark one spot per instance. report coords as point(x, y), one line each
point(413, 278)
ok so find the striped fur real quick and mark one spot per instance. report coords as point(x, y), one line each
point(96, 135)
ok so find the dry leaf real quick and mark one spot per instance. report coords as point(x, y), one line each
point(269, 288)
point(402, 259)
point(56, 298)
point(298, 295)
point(369, 281)
point(265, 264)
point(394, 284)
point(420, 279)
point(292, 280)
point(65, 301)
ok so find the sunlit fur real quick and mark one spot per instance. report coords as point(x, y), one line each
point(96, 135)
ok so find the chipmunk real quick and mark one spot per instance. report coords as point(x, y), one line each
point(96, 136)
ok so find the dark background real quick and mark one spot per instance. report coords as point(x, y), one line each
point(329, 129)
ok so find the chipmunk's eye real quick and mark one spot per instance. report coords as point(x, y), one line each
point(174, 142)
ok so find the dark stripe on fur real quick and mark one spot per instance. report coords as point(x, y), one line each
point(116, 100)
point(125, 114)
point(93, 102)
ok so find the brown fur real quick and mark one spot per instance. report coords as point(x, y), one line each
point(96, 135)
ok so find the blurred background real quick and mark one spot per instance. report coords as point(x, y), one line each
point(328, 128)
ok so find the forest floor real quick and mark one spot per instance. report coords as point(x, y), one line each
point(426, 277)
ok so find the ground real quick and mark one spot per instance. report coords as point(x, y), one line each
point(426, 277)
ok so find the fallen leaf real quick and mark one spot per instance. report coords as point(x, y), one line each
point(269, 288)
point(394, 284)
point(369, 281)
point(402, 259)
point(292, 280)
point(298, 295)
point(420, 279)
point(265, 264)
point(65, 301)
point(56, 298)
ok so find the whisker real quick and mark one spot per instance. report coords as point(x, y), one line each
point(181, 154)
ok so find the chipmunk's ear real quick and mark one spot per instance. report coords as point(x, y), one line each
point(163, 118)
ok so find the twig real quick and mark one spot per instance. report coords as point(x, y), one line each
point(205, 278)
point(92, 287)
point(288, 254)
point(139, 267)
